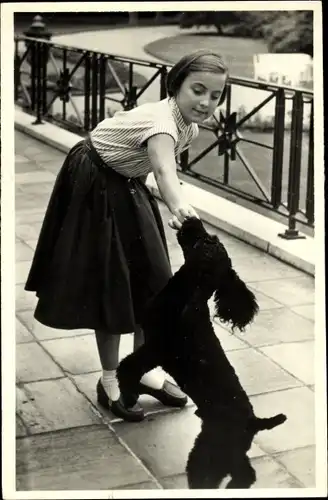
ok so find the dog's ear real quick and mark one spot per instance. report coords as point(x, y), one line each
point(234, 302)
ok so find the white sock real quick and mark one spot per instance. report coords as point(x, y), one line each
point(110, 384)
point(154, 379)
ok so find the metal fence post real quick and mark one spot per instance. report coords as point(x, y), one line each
point(278, 149)
point(38, 93)
point(310, 174)
point(294, 167)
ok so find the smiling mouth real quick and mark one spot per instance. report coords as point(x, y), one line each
point(202, 113)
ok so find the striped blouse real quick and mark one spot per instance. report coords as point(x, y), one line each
point(121, 141)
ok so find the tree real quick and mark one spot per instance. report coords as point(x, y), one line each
point(284, 31)
point(291, 32)
point(218, 19)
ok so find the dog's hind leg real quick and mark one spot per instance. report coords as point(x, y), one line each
point(205, 470)
point(242, 474)
point(132, 368)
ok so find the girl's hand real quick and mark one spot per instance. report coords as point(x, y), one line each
point(180, 215)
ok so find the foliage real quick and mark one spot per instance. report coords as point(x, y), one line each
point(218, 19)
point(284, 31)
point(290, 32)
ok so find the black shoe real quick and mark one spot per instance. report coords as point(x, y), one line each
point(132, 414)
point(169, 395)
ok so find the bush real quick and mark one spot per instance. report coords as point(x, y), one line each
point(284, 31)
point(218, 19)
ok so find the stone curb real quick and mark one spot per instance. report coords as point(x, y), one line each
point(246, 225)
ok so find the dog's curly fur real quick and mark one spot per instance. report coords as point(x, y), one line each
point(179, 337)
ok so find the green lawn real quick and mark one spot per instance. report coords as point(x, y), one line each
point(237, 52)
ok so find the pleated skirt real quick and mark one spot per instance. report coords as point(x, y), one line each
point(101, 253)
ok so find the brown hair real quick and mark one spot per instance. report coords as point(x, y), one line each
point(200, 60)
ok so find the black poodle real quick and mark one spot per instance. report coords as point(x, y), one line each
point(180, 338)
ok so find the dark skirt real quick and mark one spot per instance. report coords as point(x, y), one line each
point(102, 252)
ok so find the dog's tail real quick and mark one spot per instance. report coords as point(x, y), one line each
point(262, 424)
point(234, 302)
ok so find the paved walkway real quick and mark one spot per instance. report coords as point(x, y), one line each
point(66, 442)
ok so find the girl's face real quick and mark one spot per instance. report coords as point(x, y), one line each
point(199, 95)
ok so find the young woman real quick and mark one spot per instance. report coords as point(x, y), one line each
point(102, 253)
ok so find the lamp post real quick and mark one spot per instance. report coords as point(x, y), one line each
point(37, 58)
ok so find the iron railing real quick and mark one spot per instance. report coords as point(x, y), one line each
point(50, 75)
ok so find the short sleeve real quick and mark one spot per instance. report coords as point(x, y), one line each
point(156, 126)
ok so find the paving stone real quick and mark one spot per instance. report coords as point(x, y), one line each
point(74, 354)
point(297, 358)
point(26, 318)
point(20, 429)
point(298, 431)
point(24, 165)
point(88, 458)
point(51, 405)
point(33, 148)
point(164, 441)
point(22, 333)
point(259, 374)
point(42, 157)
point(29, 216)
point(228, 341)
point(264, 301)
point(149, 485)
point(176, 482)
point(176, 256)
point(21, 159)
point(289, 291)
point(33, 363)
point(263, 268)
point(307, 311)
point(24, 300)
point(84, 347)
point(42, 332)
point(25, 203)
point(270, 474)
point(30, 202)
point(237, 249)
point(37, 188)
point(28, 231)
point(277, 326)
point(23, 252)
point(301, 464)
point(53, 165)
point(34, 177)
point(22, 270)
point(32, 243)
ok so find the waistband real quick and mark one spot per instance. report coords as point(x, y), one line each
point(99, 162)
point(94, 155)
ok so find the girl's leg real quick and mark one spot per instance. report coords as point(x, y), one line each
point(154, 383)
point(108, 392)
point(108, 349)
point(154, 378)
